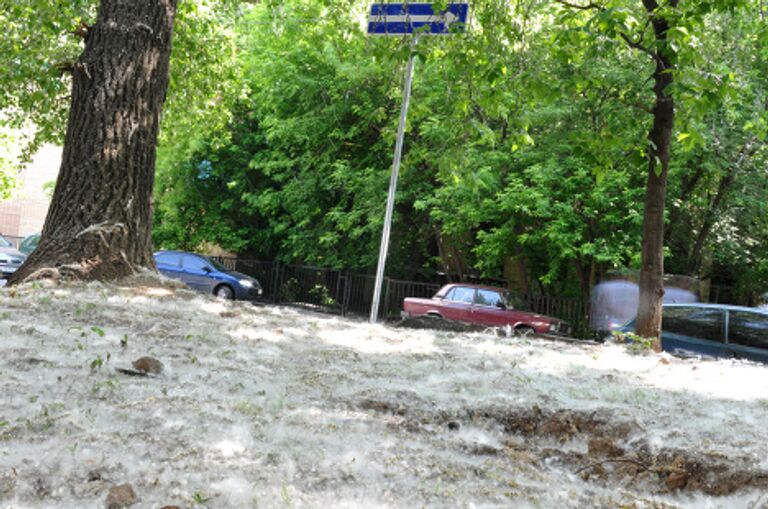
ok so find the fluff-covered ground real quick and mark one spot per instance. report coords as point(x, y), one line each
point(264, 406)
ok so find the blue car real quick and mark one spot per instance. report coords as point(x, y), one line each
point(716, 330)
point(206, 275)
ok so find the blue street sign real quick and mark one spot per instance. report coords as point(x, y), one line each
point(407, 18)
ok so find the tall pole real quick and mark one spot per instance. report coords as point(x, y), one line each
point(393, 186)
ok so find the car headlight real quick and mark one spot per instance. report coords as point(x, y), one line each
point(246, 283)
point(552, 327)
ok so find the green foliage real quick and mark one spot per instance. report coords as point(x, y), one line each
point(33, 89)
point(7, 162)
point(294, 177)
point(200, 498)
point(98, 362)
point(39, 42)
point(525, 140)
point(634, 343)
point(322, 295)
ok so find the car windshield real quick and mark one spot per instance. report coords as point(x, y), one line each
point(29, 243)
point(4, 242)
point(216, 265)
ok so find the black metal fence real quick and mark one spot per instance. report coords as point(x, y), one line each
point(347, 293)
point(573, 310)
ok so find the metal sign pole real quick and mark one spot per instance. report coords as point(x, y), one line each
point(393, 186)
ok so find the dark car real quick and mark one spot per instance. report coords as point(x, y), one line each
point(483, 305)
point(10, 258)
point(206, 275)
point(716, 330)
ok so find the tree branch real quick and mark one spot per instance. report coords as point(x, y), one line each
point(638, 46)
point(627, 38)
point(586, 7)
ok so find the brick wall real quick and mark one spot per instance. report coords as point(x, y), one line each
point(25, 212)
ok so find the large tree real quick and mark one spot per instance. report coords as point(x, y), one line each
point(660, 34)
point(99, 222)
point(660, 140)
point(613, 21)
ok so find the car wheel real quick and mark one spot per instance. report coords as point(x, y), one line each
point(224, 292)
point(524, 332)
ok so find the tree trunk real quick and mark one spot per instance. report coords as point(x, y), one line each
point(442, 255)
point(710, 217)
point(660, 137)
point(100, 220)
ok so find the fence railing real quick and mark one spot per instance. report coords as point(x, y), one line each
point(572, 310)
point(347, 293)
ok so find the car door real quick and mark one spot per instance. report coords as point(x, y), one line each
point(169, 264)
point(486, 309)
point(748, 335)
point(457, 304)
point(693, 330)
point(196, 273)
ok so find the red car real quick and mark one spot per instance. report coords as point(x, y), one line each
point(483, 305)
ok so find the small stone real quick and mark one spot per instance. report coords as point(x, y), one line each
point(677, 480)
point(8, 481)
point(42, 489)
point(604, 446)
point(483, 449)
point(453, 425)
point(170, 507)
point(121, 496)
point(148, 365)
point(95, 475)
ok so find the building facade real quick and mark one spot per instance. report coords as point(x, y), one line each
point(24, 213)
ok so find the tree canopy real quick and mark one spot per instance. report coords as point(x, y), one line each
point(526, 149)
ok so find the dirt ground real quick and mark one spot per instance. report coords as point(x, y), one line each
point(617, 453)
point(264, 406)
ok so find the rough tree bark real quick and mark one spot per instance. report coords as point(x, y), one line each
point(99, 223)
point(660, 138)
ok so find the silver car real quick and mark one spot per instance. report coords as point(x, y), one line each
point(10, 258)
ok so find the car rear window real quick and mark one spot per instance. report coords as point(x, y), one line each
point(701, 323)
point(748, 329)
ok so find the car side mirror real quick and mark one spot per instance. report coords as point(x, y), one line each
point(500, 304)
point(207, 269)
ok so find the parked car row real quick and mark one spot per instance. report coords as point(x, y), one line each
point(716, 330)
point(197, 271)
